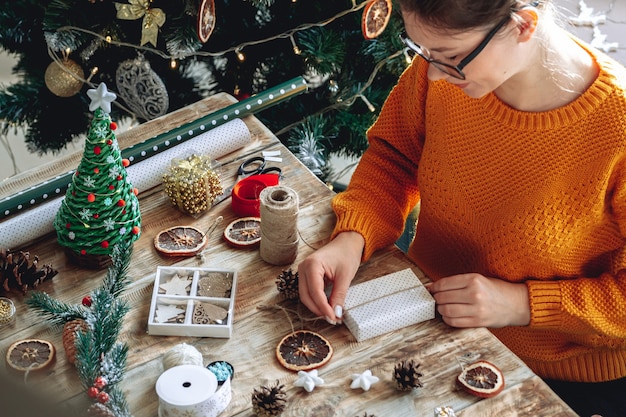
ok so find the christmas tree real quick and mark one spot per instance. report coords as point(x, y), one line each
point(160, 55)
point(100, 208)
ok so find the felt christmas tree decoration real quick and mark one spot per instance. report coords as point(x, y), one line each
point(100, 208)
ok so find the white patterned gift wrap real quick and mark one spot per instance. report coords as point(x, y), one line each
point(387, 303)
point(144, 175)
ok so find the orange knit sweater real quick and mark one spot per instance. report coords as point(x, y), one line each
point(526, 197)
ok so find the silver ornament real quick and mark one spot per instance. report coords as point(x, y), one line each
point(141, 88)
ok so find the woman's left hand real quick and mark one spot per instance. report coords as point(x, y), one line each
point(473, 300)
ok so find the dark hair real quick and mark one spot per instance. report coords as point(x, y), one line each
point(460, 14)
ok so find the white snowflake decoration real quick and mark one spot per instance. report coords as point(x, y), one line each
point(114, 172)
point(89, 182)
point(108, 225)
point(85, 214)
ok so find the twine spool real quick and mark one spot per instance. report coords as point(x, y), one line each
point(279, 225)
point(182, 354)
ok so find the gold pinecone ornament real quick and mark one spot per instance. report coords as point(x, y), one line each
point(269, 401)
point(287, 284)
point(406, 376)
point(69, 337)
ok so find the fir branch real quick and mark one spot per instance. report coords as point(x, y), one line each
point(54, 311)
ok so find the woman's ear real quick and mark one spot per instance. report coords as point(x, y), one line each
point(527, 23)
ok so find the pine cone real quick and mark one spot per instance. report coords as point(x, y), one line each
point(69, 337)
point(99, 410)
point(287, 284)
point(269, 402)
point(17, 271)
point(406, 376)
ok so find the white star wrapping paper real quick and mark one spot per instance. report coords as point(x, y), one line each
point(387, 303)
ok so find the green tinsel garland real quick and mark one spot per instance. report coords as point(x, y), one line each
point(100, 358)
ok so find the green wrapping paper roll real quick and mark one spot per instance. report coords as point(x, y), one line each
point(57, 186)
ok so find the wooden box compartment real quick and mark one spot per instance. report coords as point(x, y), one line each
point(188, 301)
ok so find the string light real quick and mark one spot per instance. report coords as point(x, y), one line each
point(407, 57)
point(240, 56)
point(173, 63)
point(93, 72)
point(296, 50)
point(369, 105)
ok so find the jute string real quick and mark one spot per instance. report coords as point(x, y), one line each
point(279, 225)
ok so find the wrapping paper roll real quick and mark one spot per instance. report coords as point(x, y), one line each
point(191, 391)
point(32, 224)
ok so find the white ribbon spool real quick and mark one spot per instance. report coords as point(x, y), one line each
point(191, 391)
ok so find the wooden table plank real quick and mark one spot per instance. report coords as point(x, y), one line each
point(262, 317)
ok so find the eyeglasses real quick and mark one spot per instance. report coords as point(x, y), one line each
point(455, 71)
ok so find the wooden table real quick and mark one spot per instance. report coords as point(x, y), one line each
point(256, 331)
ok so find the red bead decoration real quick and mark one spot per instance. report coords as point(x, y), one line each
point(109, 142)
point(136, 230)
point(68, 225)
point(113, 126)
point(97, 150)
point(91, 198)
point(96, 171)
point(121, 202)
point(95, 216)
point(83, 252)
point(105, 244)
point(87, 302)
point(111, 187)
point(103, 397)
point(125, 162)
point(93, 392)
point(135, 191)
point(119, 178)
point(100, 382)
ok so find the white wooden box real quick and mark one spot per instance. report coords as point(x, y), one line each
point(387, 303)
point(188, 301)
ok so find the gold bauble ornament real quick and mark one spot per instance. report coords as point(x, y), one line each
point(64, 80)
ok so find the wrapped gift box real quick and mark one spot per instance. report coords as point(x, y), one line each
point(387, 303)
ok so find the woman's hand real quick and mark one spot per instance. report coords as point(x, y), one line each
point(336, 263)
point(473, 300)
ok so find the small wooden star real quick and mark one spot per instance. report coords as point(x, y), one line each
point(176, 285)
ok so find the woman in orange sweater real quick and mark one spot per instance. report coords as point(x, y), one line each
point(511, 134)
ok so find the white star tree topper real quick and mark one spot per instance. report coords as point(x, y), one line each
point(101, 97)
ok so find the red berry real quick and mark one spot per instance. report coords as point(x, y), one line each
point(97, 150)
point(109, 142)
point(96, 171)
point(113, 126)
point(83, 252)
point(93, 392)
point(100, 382)
point(103, 397)
point(104, 244)
point(119, 178)
point(135, 191)
point(111, 187)
point(91, 198)
point(125, 162)
point(95, 216)
point(121, 202)
point(68, 226)
point(87, 301)
point(135, 230)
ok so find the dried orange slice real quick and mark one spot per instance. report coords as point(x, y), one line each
point(375, 18)
point(482, 379)
point(303, 350)
point(30, 354)
point(244, 232)
point(180, 241)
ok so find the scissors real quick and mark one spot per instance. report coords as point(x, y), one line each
point(249, 167)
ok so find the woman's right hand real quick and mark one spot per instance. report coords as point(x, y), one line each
point(335, 263)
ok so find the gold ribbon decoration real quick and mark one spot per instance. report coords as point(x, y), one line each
point(153, 19)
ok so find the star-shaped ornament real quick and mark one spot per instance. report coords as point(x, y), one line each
point(176, 285)
point(101, 97)
point(364, 380)
point(308, 380)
